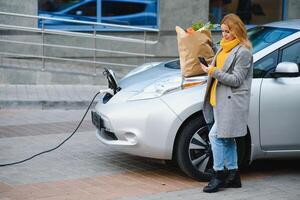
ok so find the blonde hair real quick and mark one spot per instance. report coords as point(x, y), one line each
point(238, 29)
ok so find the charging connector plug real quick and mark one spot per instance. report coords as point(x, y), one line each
point(104, 91)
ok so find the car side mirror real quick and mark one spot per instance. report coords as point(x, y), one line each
point(286, 69)
point(79, 12)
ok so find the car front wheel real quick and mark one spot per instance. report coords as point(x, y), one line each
point(193, 151)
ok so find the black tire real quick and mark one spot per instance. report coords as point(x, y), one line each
point(194, 162)
point(193, 152)
point(243, 149)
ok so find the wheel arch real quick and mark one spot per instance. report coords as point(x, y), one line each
point(185, 122)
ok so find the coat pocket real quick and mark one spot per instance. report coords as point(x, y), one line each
point(240, 99)
point(239, 90)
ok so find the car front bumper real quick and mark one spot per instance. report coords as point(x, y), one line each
point(145, 127)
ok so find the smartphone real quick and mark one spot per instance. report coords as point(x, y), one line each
point(202, 60)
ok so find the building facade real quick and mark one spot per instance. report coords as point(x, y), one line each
point(169, 13)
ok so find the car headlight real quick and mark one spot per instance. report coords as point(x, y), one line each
point(167, 85)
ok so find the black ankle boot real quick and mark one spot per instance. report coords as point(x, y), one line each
point(233, 179)
point(215, 183)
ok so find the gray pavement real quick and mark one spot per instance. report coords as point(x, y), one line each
point(84, 168)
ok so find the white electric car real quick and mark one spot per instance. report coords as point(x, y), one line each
point(154, 113)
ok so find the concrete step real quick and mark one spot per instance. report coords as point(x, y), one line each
point(47, 96)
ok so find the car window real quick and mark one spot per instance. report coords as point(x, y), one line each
point(262, 37)
point(264, 66)
point(88, 9)
point(291, 53)
point(116, 8)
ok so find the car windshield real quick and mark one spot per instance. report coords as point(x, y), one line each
point(262, 37)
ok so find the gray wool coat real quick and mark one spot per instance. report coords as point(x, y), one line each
point(232, 93)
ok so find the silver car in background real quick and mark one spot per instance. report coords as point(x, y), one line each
point(153, 112)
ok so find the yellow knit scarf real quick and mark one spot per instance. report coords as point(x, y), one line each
point(227, 46)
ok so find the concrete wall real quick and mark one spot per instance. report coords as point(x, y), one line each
point(182, 13)
point(293, 9)
point(172, 13)
point(18, 6)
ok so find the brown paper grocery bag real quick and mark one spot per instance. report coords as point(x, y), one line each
point(190, 47)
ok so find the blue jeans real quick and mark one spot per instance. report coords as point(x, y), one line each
point(224, 150)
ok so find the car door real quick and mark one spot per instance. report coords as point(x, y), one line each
point(280, 106)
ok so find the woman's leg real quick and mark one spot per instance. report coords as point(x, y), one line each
point(233, 179)
point(217, 148)
point(231, 158)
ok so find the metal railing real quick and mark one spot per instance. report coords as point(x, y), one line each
point(93, 36)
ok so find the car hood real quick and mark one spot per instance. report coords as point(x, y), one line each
point(139, 81)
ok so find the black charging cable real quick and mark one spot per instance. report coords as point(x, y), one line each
point(47, 151)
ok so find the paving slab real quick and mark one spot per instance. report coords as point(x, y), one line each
point(84, 168)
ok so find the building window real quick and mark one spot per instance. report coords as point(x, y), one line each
point(143, 13)
point(250, 11)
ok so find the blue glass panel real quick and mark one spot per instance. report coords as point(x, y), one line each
point(142, 13)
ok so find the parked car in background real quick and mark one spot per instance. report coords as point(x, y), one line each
point(124, 12)
point(153, 112)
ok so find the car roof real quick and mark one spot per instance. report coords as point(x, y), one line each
point(291, 24)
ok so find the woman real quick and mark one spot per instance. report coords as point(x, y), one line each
point(226, 102)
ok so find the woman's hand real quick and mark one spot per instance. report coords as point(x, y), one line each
point(204, 68)
point(209, 70)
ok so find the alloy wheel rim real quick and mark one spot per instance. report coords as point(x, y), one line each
point(200, 150)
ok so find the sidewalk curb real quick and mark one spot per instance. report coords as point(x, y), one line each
point(44, 105)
